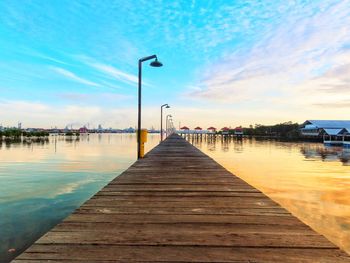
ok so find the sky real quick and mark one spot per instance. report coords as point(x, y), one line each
point(226, 63)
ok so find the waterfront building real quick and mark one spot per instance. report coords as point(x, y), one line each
point(129, 130)
point(238, 131)
point(333, 132)
point(184, 130)
point(83, 130)
point(211, 129)
point(198, 130)
point(225, 131)
point(321, 127)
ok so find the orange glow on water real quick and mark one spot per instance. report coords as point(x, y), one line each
point(309, 180)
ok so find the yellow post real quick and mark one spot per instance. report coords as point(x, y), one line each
point(143, 141)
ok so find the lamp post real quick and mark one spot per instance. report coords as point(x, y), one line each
point(161, 119)
point(154, 63)
point(170, 126)
point(166, 123)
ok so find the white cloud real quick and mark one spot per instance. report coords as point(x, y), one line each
point(295, 62)
point(72, 76)
point(114, 72)
point(108, 70)
point(51, 59)
point(92, 97)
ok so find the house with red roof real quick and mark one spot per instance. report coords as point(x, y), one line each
point(225, 130)
point(238, 131)
point(211, 129)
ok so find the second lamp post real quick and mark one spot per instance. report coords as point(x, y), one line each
point(161, 119)
point(167, 123)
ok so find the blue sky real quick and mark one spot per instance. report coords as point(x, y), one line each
point(226, 63)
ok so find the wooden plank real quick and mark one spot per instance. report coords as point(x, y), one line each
point(183, 219)
point(184, 210)
point(105, 192)
point(166, 237)
point(179, 205)
point(112, 253)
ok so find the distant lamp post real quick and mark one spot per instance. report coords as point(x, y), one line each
point(161, 119)
point(170, 126)
point(166, 123)
point(154, 63)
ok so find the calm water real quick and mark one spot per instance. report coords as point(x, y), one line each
point(42, 183)
point(310, 180)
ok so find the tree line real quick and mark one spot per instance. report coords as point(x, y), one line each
point(288, 130)
point(17, 133)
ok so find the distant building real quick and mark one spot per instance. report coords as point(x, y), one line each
point(238, 131)
point(129, 130)
point(317, 128)
point(211, 129)
point(333, 132)
point(99, 129)
point(225, 130)
point(83, 130)
point(184, 130)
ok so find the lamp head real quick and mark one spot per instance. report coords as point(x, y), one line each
point(156, 63)
point(167, 107)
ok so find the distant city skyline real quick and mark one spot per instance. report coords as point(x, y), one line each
point(226, 63)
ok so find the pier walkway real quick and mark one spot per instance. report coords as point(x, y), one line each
point(179, 205)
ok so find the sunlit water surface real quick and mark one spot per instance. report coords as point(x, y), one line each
point(42, 183)
point(308, 179)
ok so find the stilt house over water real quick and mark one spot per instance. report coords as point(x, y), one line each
point(333, 132)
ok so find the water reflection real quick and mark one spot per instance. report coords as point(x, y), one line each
point(41, 182)
point(327, 154)
point(308, 179)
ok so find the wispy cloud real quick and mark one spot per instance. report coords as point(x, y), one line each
point(114, 72)
point(80, 97)
point(108, 70)
point(338, 104)
point(50, 58)
point(70, 75)
point(309, 52)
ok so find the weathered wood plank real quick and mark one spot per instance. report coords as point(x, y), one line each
point(93, 253)
point(184, 210)
point(105, 192)
point(211, 237)
point(183, 219)
point(179, 205)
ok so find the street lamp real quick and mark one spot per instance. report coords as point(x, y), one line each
point(166, 123)
point(154, 63)
point(170, 126)
point(161, 119)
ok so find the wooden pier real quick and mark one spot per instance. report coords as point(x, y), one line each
point(179, 205)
